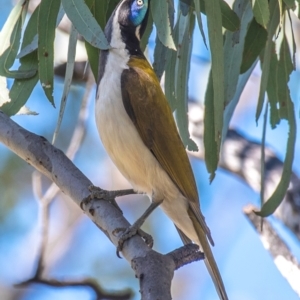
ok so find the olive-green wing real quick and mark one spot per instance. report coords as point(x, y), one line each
point(149, 110)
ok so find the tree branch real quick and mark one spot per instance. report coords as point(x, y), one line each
point(54, 164)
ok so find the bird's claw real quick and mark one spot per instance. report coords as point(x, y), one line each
point(99, 194)
point(130, 232)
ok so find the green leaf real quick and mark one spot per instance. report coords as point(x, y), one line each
point(230, 20)
point(229, 110)
point(274, 21)
point(22, 89)
point(290, 4)
point(211, 153)
point(285, 67)
point(68, 78)
point(85, 23)
point(198, 14)
point(98, 10)
point(32, 42)
point(272, 89)
point(254, 44)
point(9, 55)
point(261, 12)
point(184, 62)
point(46, 30)
point(160, 57)
point(159, 10)
point(10, 43)
point(147, 33)
point(233, 48)
point(214, 22)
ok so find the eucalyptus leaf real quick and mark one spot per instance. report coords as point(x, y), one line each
point(261, 12)
point(273, 24)
point(68, 79)
point(211, 153)
point(46, 31)
point(233, 48)
point(184, 62)
point(22, 89)
point(33, 45)
point(199, 19)
point(85, 23)
point(159, 10)
point(214, 22)
point(254, 44)
point(285, 68)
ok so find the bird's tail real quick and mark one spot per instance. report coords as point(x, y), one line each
point(209, 258)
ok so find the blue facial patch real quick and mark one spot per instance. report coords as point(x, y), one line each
point(138, 11)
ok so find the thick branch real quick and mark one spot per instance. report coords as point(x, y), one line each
point(53, 163)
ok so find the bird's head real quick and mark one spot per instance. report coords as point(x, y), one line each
point(127, 24)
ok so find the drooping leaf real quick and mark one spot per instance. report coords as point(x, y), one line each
point(229, 110)
point(290, 4)
point(261, 12)
point(68, 78)
point(98, 10)
point(160, 57)
point(214, 22)
point(147, 33)
point(10, 37)
point(210, 145)
point(184, 61)
point(233, 48)
point(22, 89)
point(46, 31)
point(172, 71)
point(199, 19)
point(285, 67)
point(33, 45)
point(272, 89)
point(255, 42)
point(274, 21)
point(8, 57)
point(85, 23)
point(159, 10)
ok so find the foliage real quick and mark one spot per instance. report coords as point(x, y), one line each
point(238, 38)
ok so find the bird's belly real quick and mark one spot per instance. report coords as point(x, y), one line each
point(124, 145)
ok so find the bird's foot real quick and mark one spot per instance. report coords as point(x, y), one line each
point(100, 194)
point(130, 232)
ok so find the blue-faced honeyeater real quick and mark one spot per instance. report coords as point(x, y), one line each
point(139, 133)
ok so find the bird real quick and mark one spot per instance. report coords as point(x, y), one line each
point(139, 133)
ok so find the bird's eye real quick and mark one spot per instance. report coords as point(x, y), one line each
point(139, 2)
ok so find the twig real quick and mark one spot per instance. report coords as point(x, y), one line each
point(100, 294)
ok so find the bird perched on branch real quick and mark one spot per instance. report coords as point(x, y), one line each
point(139, 133)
